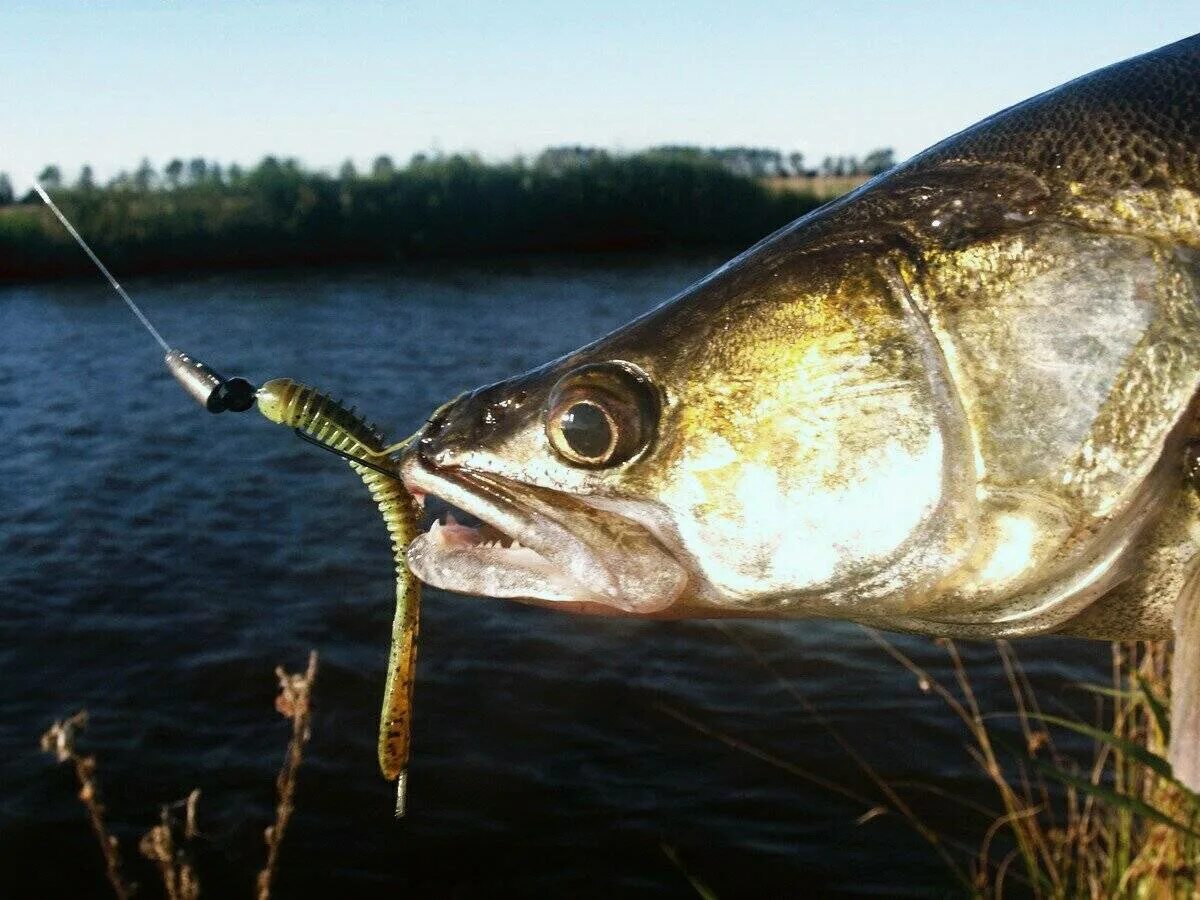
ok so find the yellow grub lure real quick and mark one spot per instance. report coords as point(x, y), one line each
point(326, 422)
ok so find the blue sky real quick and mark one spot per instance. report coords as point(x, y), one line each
point(109, 83)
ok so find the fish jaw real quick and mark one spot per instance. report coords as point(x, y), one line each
point(555, 549)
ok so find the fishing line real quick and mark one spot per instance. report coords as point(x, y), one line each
point(104, 269)
point(349, 457)
point(215, 392)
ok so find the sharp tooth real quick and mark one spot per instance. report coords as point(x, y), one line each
point(516, 545)
point(450, 520)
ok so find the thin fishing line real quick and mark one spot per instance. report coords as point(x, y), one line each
point(103, 268)
point(357, 460)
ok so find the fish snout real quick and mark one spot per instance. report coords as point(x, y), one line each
point(472, 421)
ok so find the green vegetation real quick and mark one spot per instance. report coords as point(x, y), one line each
point(197, 215)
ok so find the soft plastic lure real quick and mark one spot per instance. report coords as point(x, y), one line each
point(331, 425)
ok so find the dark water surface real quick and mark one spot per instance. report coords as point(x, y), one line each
point(158, 562)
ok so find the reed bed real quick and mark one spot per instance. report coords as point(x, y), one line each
point(1115, 823)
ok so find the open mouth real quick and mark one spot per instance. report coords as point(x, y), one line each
point(536, 544)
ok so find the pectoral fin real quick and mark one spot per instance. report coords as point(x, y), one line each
point(1185, 684)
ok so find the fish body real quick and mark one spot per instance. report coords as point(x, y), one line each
point(955, 401)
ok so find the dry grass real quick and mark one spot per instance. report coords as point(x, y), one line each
point(167, 844)
point(1113, 824)
point(823, 187)
point(59, 740)
point(294, 703)
point(161, 846)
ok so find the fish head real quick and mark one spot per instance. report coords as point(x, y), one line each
point(771, 439)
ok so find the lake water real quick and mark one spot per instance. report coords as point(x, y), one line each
point(157, 563)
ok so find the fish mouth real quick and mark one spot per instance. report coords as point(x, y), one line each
point(537, 544)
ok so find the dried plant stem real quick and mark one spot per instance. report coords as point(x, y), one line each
point(294, 702)
point(893, 798)
point(59, 739)
point(769, 758)
point(158, 845)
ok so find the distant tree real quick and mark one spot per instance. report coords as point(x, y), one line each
point(796, 159)
point(50, 178)
point(86, 180)
point(418, 160)
point(767, 162)
point(383, 167)
point(269, 165)
point(197, 170)
point(681, 152)
point(173, 172)
point(215, 174)
point(6, 190)
point(828, 166)
point(144, 176)
point(557, 160)
point(234, 174)
point(348, 172)
point(878, 161)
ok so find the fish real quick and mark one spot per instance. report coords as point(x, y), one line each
point(958, 401)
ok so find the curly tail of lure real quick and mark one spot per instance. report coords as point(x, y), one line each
point(329, 423)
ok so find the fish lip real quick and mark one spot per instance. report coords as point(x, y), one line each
point(497, 501)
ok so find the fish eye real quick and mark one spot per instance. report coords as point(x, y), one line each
point(601, 415)
point(587, 430)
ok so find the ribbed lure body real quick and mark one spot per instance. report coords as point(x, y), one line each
point(325, 420)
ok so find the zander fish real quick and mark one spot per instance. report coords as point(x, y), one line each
point(957, 401)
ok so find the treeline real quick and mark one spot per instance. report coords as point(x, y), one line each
point(754, 162)
point(198, 214)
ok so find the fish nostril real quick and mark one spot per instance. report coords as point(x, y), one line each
point(437, 422)
point(426, 447)
point(441, 429)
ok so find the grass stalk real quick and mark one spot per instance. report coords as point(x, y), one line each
point(59, 740)
point(294, 703)
point(159, 845)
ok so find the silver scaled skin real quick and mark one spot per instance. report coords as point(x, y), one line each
point(954, 402)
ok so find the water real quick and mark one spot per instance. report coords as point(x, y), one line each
point(157, 562)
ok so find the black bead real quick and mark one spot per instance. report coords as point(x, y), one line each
point(233, 394)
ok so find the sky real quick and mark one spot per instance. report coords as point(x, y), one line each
point(108, 83)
